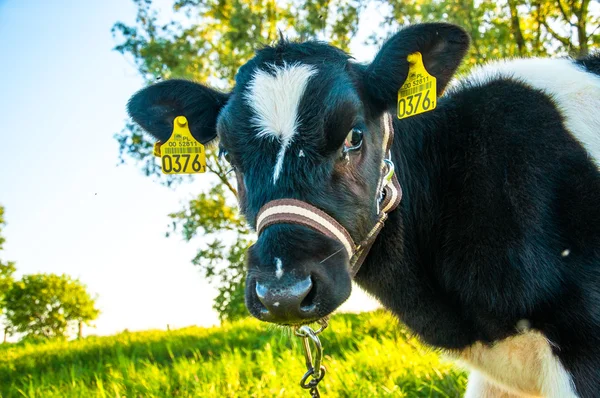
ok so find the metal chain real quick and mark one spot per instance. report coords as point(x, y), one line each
point(315, 371)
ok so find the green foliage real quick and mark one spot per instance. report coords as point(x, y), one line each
point(2, 224)
point(511, 28)
point(230, 302)
point(7, 269)
point(46, 305)
point(208, 216)
point(366, 355)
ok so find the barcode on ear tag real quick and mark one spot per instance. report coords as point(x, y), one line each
point(182, 154)
point(418, 93)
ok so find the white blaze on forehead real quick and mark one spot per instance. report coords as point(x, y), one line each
point(274, 97)
point(278, 268)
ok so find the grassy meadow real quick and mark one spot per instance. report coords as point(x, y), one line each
point(366, 355)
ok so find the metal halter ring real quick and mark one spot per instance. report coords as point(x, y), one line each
point(313, 383)
point(390, 173)
point(315, 371)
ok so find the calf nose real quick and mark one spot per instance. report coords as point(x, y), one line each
point(290, 304)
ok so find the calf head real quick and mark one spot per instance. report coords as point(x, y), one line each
point(303, 122)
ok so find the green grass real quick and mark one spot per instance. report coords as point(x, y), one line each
point(366, 355)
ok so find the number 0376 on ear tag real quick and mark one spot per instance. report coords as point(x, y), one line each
point(181, 154)
point(418, 94)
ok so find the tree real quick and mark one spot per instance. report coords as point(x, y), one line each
point(2, 224)
point(48, 305)
point(7, 269)
point(211, 39)
point(511, 28)
point(208, 216)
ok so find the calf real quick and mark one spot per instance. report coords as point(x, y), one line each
point(494, 251)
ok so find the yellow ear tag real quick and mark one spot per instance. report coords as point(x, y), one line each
point(418, 93)
point(181, 154)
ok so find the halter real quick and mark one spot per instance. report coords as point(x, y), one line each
point(293, 211)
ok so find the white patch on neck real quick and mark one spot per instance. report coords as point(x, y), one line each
point(522, 364)
point(274, 98)
point(278, 268)
point(575, 92)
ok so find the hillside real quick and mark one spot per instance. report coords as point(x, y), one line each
point(367, 355)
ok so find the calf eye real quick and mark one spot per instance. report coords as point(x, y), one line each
point(223, 153)
point(353, 140)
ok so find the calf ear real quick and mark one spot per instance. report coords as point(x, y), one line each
point(442, 46)
point(155, 107)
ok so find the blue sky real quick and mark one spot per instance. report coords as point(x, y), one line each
point(69, 207)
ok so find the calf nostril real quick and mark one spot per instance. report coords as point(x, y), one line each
point(261, 293)
point(261, 305)
point(308, 303)
point(300, 290)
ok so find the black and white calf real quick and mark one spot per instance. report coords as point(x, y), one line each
point(494, 252)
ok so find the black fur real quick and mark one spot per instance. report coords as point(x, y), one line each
point(495, 189)
point(591, 62)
